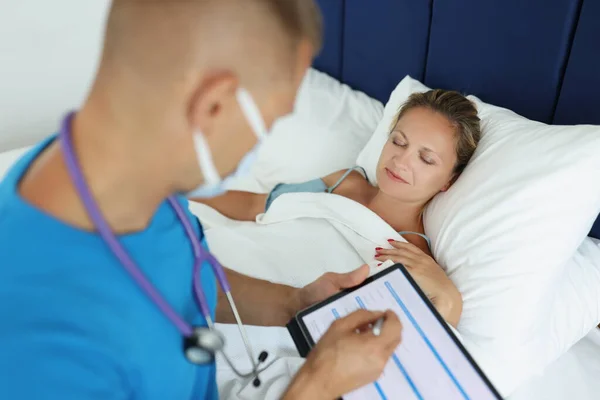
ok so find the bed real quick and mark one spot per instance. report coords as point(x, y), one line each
point(538, 58)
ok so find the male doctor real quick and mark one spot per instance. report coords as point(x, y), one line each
point(182, 91)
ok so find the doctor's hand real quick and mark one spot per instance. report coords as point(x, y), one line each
point(430, 277)
point(347, 357)
point(327, 285)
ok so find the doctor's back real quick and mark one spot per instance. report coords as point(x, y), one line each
point(74, 324)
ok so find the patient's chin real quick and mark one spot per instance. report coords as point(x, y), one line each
point(397, 192)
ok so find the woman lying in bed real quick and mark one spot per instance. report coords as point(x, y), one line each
point(431, 141)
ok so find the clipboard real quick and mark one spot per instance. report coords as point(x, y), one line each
point(437, 343)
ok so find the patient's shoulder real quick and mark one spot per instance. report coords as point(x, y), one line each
point(353, 177)
point(332, 178)
point(421, 243)
point(354, 186)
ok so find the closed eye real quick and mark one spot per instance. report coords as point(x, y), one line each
point(400, 143)
point(427, 160)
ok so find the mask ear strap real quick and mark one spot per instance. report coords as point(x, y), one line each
point(252, 113)
point(207, 166)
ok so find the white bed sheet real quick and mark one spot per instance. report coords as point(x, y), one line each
point(573, 376)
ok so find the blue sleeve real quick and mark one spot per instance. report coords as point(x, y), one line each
point(314, 186)
point(58, 366)
point(185, 205)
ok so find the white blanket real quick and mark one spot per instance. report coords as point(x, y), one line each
point(301, 237)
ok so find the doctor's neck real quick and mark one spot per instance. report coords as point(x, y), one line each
point(128, 178)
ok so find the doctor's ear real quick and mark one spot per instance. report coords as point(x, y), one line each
point(216, 92)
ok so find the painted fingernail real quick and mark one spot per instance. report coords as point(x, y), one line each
point(378, 248)
point(391, 240)
point(377, 255)
point(379, 265)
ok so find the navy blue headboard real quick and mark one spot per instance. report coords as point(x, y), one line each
point(539, 58)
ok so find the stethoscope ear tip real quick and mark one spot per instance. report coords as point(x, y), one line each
point(261, 359)
point(262, 356)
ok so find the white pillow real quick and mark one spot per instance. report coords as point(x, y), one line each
point(330, 125)
point(575, 307)
point(507, 228)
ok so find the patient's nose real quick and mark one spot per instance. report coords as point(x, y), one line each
point(403, 161)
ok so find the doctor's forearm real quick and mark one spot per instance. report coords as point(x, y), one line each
point(259, 302)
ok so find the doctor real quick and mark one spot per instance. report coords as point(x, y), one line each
point(105, 292)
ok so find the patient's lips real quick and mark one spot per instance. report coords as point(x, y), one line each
point(395, 177)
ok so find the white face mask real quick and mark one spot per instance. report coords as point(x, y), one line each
point(213, 184)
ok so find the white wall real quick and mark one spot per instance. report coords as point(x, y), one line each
point(49, 50)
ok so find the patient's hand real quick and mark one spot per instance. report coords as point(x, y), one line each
point(430, 277)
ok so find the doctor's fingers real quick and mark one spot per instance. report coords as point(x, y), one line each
point(356, 320)
point(391, 332)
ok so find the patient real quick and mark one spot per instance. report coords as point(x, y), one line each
point(431, 141)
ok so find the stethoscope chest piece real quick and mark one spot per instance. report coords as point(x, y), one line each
point(201, 347)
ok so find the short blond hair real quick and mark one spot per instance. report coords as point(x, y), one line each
point(157, 36)
point(299, 19)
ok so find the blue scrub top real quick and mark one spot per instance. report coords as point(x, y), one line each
point(74, 325)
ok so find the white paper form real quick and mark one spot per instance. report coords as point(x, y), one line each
point(427, 364)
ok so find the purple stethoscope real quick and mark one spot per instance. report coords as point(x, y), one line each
point(200, 344)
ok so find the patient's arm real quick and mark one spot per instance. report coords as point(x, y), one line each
point(241, 206)
point(430, 277)
point(245, 206)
